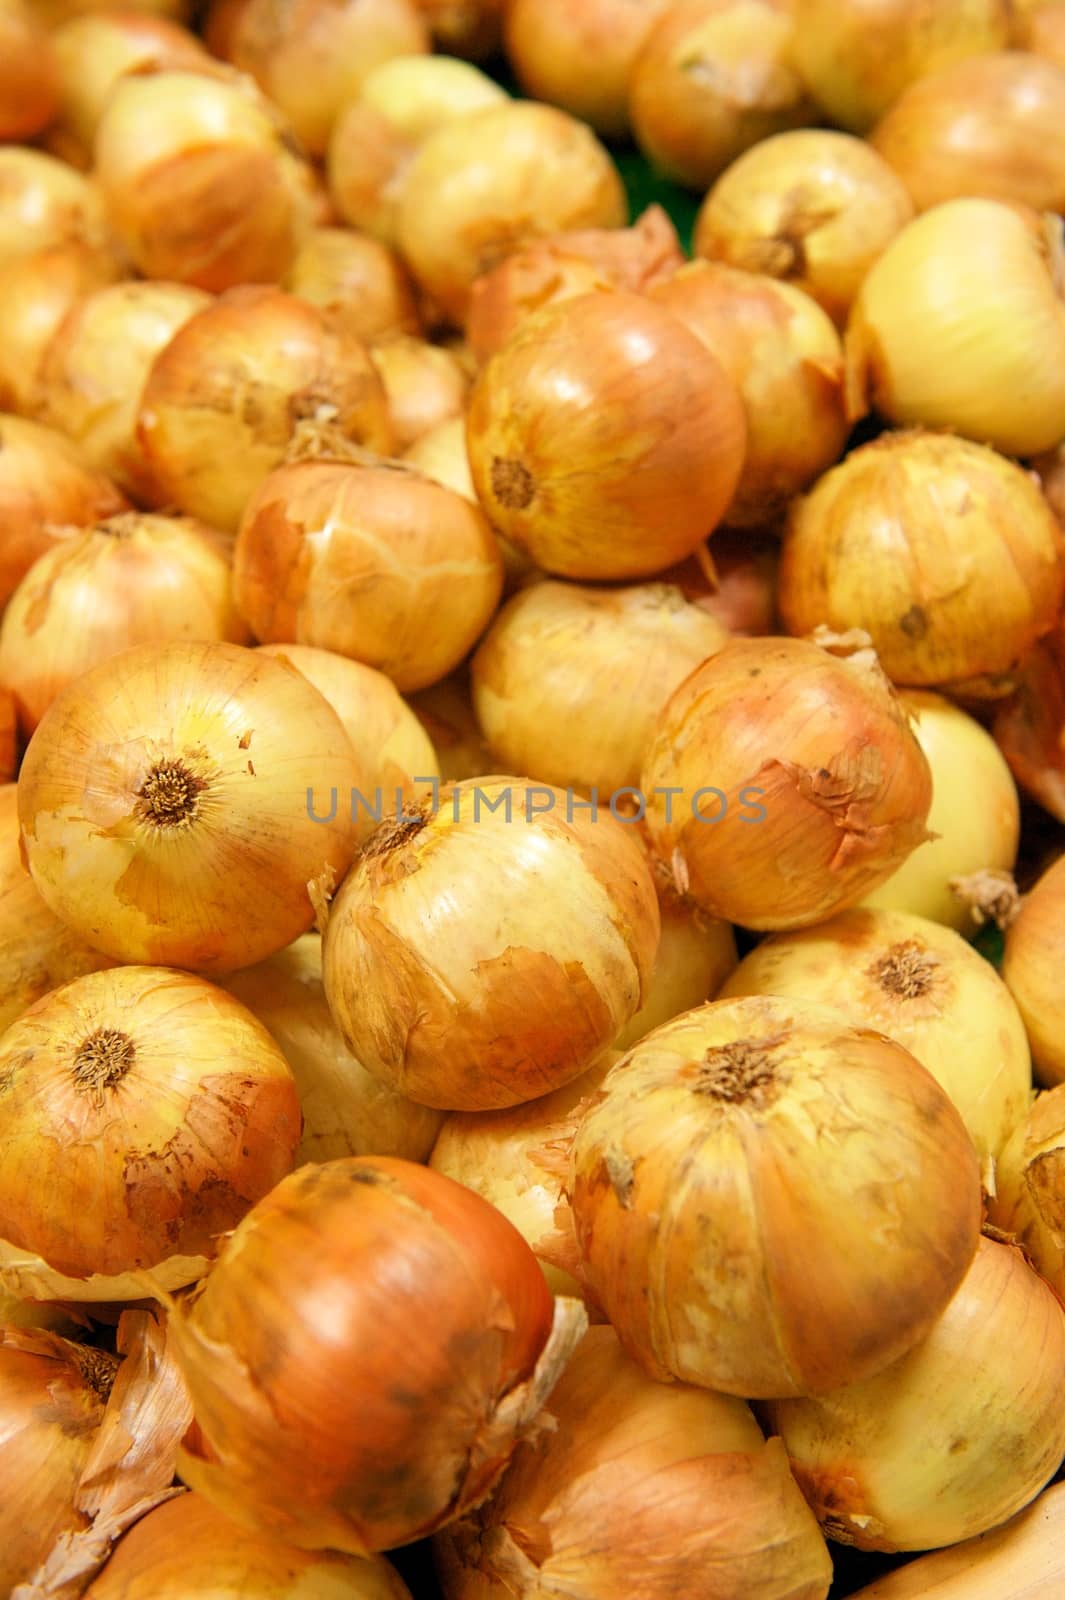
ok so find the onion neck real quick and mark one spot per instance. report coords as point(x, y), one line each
point(170, 794)
point(739, 1073)
point(102, 1060)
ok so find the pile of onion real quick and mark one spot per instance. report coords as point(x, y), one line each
point(45, 202)
point(1031, 966)
point(375, 1424)
point(37, 292)
point(361, 283)
point(724, 1248)
point(1029, 727)
point(29, 79)
point(580, 54)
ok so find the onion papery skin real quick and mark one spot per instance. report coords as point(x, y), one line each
point(44, 202)
point(168, 1111)
point(166, 791)
point(371, 560)
point(813, 207)
point(1029, 727)
point(639, 1488)
point(715, 77)
point(483, 184)
point(361, 283)
point(425, 384)
point(445, 711)
point(965, 760)
point(135, 579)
point(200, 181)
point(943, 335)
point(346, 1110)
point(46, 486)
point(1031, 966)
point(371, 1428)
point(954, 1438)
point(580, 56)
point(486, 952)
point(207, 447)
point(29, 80)
point(186, 1547)
point(922, 986)
point(818, 788)
point(1029, 1198)
point(605, 440)
point(858, 56)
point(705, 1147)
point(785, 357)
point(37, 292)
point(945, 553)
point(569, 681)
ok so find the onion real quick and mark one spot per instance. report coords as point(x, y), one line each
point(1049, 468)
point(425, 384)
point(46, 485)
point(145, 1111)
point(44, 202)
point(378, 134)
point(954, 1438)
point(483, 184)
point(8, 737)
point(723, 1246)
point(637, 1487)
point(445, 711)
point(346, 1111)
point(605, 440)
point(968, 838)
point(371, 560)
point(312, 56)
point(94, 369)
point(785, 781)
point(441, 454)
point(224, 398)
point(987, 126)
point(56, 12)
point(569, 682)
point(135, 579)
point(547, 270)
point(1031, 966)
point(946, 554)
point(961, 324)
point(1044, 32)
point(859, 55)
point(1029, 727)
point(785, 358)
point(36, 292)
point(1029, 1198)
point(367, 1428)
point(200, 179)
point(813, 207)
point(469, 28)
point(359, 281)
point(714, 78)
point(165, 803)
point(696, 953)
point(486, 952)
point(738, 584)
point(580, 54)
point(29, 86)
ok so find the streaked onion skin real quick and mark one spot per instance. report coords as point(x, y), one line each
point(813, 207)
point(723, 1247)
point(44, 202)
point(359, 281)
point(1029, 727)
point(579, 54)
point(943, 551)
point(36, 292)
point(29, 80)
point(1031, 966)
point(953, 1439)
point(605, 440)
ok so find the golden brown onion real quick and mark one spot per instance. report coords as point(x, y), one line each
point(1031, 966)
point(37, 292)
point(359, 281)
point(29, 79)
point(426, 385)
point(580, 54)
point(1029, 727)
point(44, 202)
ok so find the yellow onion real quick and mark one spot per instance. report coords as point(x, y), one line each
point(945, 553)
point(224, 398)
point(46, 486)
point(386, 1374)
point(1029, 727)
point(165, 804)
point(441, 455)
point(961, 324)
point(312, 56)
point(378, 134)
point(639, 1488)
point(8, 736)
point(605, 440)
point(485, 183)
point(580, 54)
point(445, 711)
point(93, 371)
point(738, 583)
point(485, 952)
point(346, 1110)
point(467, 28)
point(425, 384)
point(923, 986)
point(359, 281)
point(813, 207)
point(569, 682)
point(785, 357)
point(954, 1438)
point(1044, 31)
point(1029, 1198)
point(723, 1246)
point(200, 180)
point(857, 56)
point(29, 80)
point(134, 579)
point(45, 202)
point(186, 1548)
point(785, 781)
point(145, 1111)
point(1031, 966)
point(37, 292)
point(968, 838)
point(713, 78)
